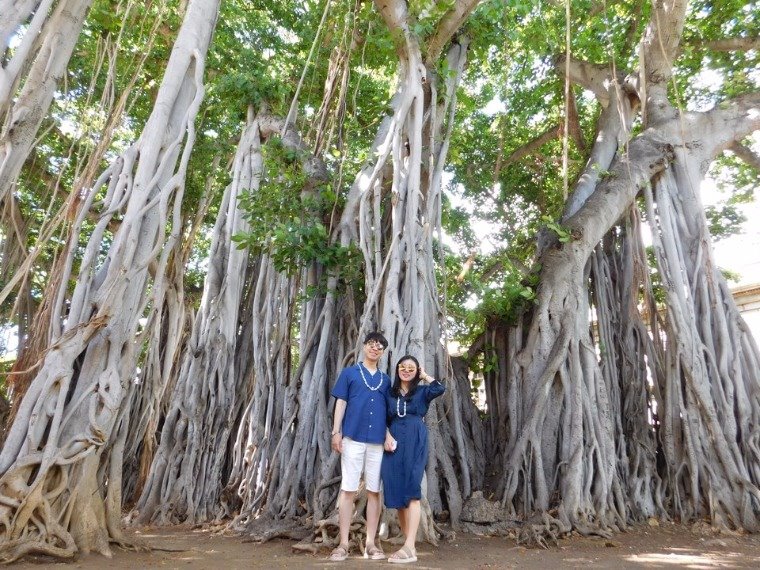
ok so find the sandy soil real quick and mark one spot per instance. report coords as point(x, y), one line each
point(665, 546)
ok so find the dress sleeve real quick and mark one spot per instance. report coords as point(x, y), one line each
point(340, 390)
point(433, 390)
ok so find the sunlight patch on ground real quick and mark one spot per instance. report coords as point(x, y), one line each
point(686, 559)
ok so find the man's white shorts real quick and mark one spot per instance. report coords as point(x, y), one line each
point(357, 457)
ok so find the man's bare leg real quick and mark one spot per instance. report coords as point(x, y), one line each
point(345, 512)
point(373, 517)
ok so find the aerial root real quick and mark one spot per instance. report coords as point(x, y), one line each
point(267, 527)
point(17, 549)
point(290, 530)
point(132, 544)
point(540, 534)
point(326, 535)
point(42, 534)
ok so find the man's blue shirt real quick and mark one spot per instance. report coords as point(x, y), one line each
point(364, 420)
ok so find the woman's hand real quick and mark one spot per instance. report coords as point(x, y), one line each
point(390, 443)
point(425, 378)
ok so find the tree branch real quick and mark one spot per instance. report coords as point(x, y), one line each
point(746, 154)
point(553, 132)
point(662, 38)
point(447, 27)
point(396, 17)
point(728, 123)
point(591, 76)
point(648, 154)
point(659, 49)
point(728, 44)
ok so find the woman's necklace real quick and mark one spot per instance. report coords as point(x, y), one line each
point(361, 371)
point(398, 407)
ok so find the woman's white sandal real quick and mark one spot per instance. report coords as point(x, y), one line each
point(409, 556)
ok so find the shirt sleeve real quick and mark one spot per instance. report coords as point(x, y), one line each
point(433, 390)
point(340, 390)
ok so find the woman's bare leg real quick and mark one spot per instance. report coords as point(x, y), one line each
point(412, 522)
point(402, 521)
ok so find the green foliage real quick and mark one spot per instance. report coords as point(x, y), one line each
point(658, 290)
point(425, 15)
point(563, 235)
point(729, 275)
point(511, 93)
point(287, 223)
point(724, 221)
point(507, 302)
point(251, 88)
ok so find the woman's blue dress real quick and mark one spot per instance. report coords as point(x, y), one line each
point(402, 469)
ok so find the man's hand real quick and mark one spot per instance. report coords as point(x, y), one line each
point(390, 443)
point(336, 439)
point(337, 442)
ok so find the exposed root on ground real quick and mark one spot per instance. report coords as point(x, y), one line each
point(542, 530)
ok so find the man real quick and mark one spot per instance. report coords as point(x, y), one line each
point(358, 434)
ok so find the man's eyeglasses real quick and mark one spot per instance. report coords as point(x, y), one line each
point(407, 369)
point(374, 344)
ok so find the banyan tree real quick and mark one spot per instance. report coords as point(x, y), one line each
point(62, 458)
point(646, 412)
point(276, 180)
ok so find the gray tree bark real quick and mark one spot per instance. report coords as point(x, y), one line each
point(583, 444)
point(35, 70)
point(295, 475)
point(188, 470)
point(68, 437)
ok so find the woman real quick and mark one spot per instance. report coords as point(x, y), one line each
point(406, 456)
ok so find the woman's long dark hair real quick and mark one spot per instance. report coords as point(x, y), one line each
point(396, 388)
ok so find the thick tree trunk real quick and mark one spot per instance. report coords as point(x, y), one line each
point(631, 353)
point(275, 453)
point(167, 334)
point(563, 453)
point(17, 258)
point(74, 411)
point(395, 240)
point(188, 470)
point(402, 293)
point(586, 438)
point(711, 369)
point(28, 80)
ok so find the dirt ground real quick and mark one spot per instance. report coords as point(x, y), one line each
point(666, 546)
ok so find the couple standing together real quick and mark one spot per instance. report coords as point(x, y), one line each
point(378, 429)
